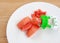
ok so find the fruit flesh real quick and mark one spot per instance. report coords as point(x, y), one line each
point(32, 30)
point(27, 26)
point(23, 22)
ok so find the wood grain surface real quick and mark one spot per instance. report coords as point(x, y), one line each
point(7, 7)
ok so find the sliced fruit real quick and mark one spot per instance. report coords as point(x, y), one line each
point(44, 13)
point(38, 13)
point(33, 15)
point(41, 12)
point(32, 30)
point(27, 26)
point(23, 22)
point(36, 21)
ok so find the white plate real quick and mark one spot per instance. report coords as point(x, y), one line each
point(14, 35)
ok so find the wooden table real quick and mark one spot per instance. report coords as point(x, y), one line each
point(7, 7)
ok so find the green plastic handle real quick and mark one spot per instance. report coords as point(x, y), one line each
point(45, 19)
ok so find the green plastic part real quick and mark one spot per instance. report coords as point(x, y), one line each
point(45, 19)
